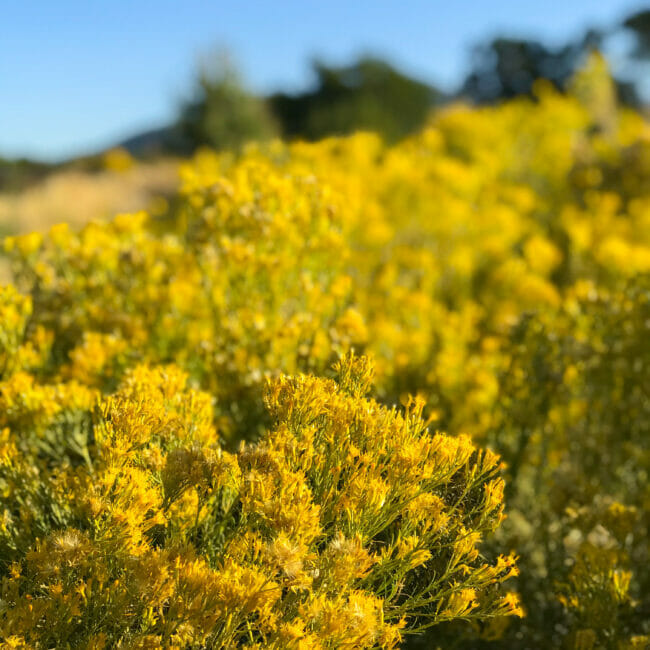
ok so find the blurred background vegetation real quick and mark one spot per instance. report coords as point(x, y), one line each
point(370, 93)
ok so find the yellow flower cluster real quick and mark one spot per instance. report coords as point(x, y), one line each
point(181, 467)
point(346, 523)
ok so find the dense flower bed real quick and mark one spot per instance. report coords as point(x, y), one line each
point(188, 455)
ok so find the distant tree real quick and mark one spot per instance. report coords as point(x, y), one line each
point(222, 113)
point(638, 64)
point(504, 67)
point(639, 25)
point(367, 95)
point(16, 175)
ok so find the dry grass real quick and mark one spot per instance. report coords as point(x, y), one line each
point(76, 197)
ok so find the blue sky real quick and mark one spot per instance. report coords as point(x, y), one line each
point(76, 75)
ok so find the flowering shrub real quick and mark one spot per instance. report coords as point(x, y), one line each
point(181, 467)
point(345, 525)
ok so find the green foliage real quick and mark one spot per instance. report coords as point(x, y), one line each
point(367, 95)
point(223, 114)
